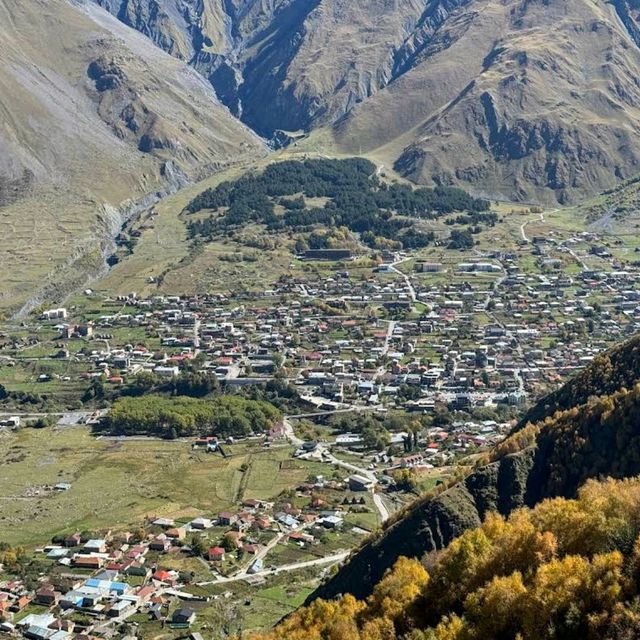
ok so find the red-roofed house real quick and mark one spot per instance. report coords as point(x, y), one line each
point(215, 554)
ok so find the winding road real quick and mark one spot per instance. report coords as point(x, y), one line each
point(405, 277)
point(523, 226)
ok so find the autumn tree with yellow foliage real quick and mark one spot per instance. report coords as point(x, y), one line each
point(565, 570)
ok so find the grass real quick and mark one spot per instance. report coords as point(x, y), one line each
point(249, 607)
point(272, 604)
point(115, 484)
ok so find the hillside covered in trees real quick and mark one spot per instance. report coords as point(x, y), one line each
point(182, 416)
point(353, 197)
point(610, 371)
point(597, 437)
point(567, 569)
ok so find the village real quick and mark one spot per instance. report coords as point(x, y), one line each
point(406, 334)
point(399, 368)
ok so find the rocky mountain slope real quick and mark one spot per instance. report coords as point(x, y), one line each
point(94, 122)
point(594, 433)
point(524, 99)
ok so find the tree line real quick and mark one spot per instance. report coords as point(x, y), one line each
point(355, 198)
point(183, 416)
point(565, 570)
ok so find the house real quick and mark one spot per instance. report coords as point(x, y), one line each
point(44, 620)
point(201, 523)
point(47, 596)
point(96, 546)
point(137, 552)
point(73, 540)
point(162, 575)
point(137, 569)
point(165, 523)
point(215, 554)
point(160, 543)
point(63, 625)
point(119, 608)
point(176, 533)
point(256, 566)
point(166, 372)
point(299, 536)
point(331, 522)
point(55, 314)
point(360, 483)
point(124, 536)
point(21, 603)
point(106, 585)
point(144, 593)
point(87, 562)
point(287, 520)
point(183, 616)
point(261, 523)
point(226, 518)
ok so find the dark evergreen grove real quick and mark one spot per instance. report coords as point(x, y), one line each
point(355, 198)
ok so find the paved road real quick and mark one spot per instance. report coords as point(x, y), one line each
point(381, 506)
point(523, 226)
point(388, 337)
point(405, 277)
point(577, 258)
point(196, 336)
point(337, 557)
point(290, 433)
point(323, 454)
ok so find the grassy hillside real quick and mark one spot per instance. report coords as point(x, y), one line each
point(565, 569)
point(95, 122)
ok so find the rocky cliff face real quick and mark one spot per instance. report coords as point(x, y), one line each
point(521, 99)
point(309, 61)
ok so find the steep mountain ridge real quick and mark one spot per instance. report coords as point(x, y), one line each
point(525, 99)
point(93, 122)
point(309, 60)
point(567, 568)
point(519, 99)
point(596, 434)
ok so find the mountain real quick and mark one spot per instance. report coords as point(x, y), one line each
point(521, 99)
point(517, 99)
point(588, 429)
point(95, 123)
point(565, 569)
